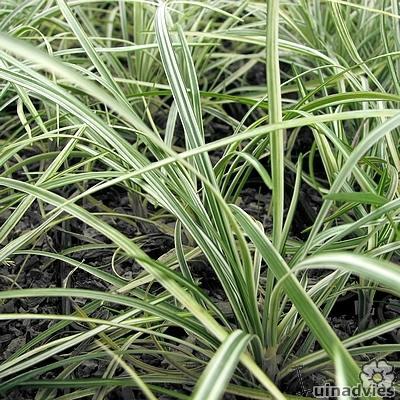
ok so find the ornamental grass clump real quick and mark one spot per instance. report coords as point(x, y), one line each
point(198, 199)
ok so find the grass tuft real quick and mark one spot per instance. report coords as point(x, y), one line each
point(198, 199)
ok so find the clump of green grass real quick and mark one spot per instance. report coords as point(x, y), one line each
point(102, 97)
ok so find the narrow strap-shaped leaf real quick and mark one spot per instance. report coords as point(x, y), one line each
point(358, 197)
point(382, 272)
point(219, 371)
point(275, 116)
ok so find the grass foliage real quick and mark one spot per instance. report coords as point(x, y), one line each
point(154, 101)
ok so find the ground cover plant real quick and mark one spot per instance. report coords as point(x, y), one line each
point(199, 199)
